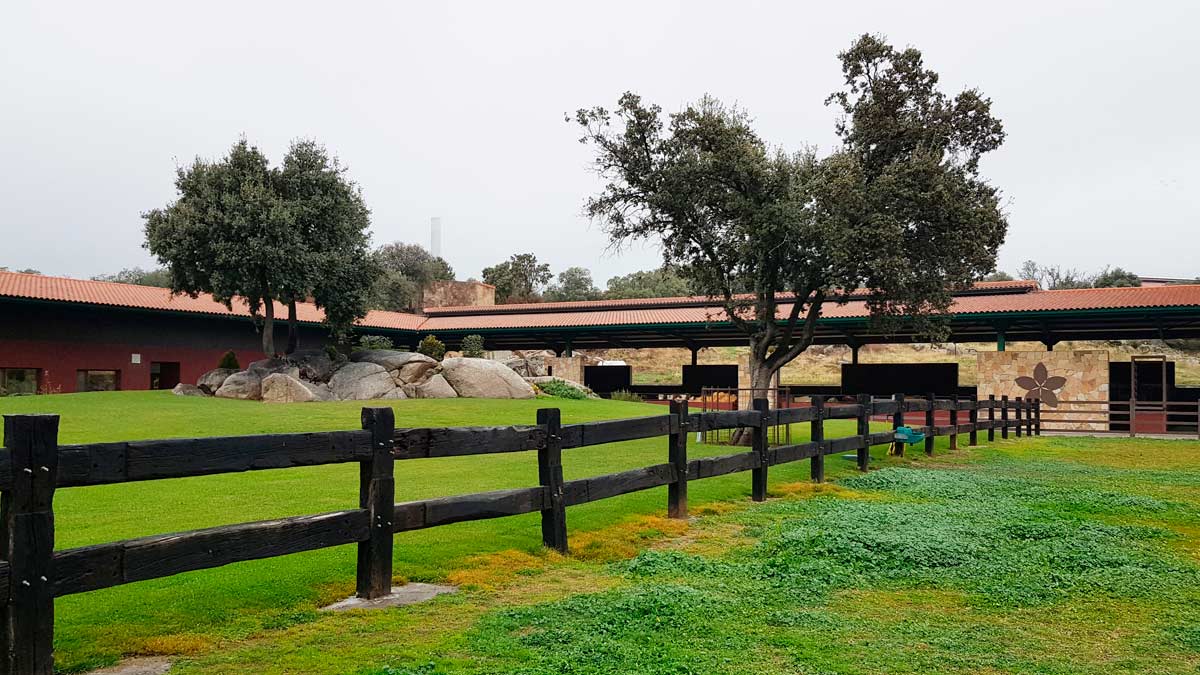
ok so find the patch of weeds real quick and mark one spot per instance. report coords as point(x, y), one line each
point(1186, 637)
point(623, 540)
point(929, 484)
point(655, 629)
point(183, 644)
point(496, 569)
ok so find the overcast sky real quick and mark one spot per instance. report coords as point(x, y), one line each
point(456, 110)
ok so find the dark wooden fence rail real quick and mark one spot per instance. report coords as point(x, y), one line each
point(33, 465)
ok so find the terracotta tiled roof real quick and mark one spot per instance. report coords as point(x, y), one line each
point(40, 287)
point(1018, 286)
point(1036, 301)
point(583, 314)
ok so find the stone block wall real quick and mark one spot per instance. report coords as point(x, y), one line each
point(458, 294)
point(567, 367)
point(1052, 377)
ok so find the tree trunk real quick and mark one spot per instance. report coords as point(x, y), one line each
point(293, 328)
point(761, 381)
point(268, 329)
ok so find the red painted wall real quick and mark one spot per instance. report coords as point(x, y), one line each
point(60, 339)
point(59, 361)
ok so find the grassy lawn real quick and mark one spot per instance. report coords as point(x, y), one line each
point(1048, 555)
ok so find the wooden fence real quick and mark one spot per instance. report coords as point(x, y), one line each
point(1133, 418)
point(33, 465)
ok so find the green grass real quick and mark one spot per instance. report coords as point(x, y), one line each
point(200, 609)
point(1046, 555)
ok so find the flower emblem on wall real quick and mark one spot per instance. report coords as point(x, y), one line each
point(1042, 385)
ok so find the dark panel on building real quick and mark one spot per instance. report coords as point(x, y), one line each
point(909, 378)
point(607, 379)
point(696, 378)
point(1149, 377)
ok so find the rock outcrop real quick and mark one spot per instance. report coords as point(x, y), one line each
point(283, 388)
point(245, 385)
point(316, 365)
point(388, 358)
point(211, 381)
point(527, 364)
point(184, 389)
point(267, 367)
point(317, 375)
point(414, 371)
point(434, 387)
point(361, 382)
point(481, 378)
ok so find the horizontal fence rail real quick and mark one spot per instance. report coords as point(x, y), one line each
point(1124, 417)
point(33, 465)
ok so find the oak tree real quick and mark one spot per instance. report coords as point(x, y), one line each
point(899, 210)
point(243, 229)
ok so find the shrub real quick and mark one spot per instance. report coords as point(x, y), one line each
point(229, 360)
point(561, 389)
point(432, 347)
point(374, 342)
point(625, 395)
point(472, 346)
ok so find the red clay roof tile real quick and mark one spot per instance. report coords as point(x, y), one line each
point(582, 314)
point(40, 287)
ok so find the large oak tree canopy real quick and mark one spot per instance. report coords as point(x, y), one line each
point(899, 208)
point(240, 228)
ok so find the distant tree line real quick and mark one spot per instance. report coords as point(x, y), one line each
point(1055, 277)
point(522, 278)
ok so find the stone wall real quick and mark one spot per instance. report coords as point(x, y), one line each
point(1052, 377)
point(458, 294)
point(566, 367)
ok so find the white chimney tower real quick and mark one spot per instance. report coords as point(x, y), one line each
point(435, 236)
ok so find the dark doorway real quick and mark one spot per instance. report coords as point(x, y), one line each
point(1148, 382)
point(164, 374)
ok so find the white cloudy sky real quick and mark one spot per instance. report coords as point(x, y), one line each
point(456, 110)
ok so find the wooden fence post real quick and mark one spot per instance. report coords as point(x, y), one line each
point(1037, 414)
point(550, 476)
point(865, 405)
point(377, 494)
point(930, 412)
point(973, 420)
point(897, 422)
point(27, 515)
point(1004, 416)
point(758, 485)
point(991, 417)
point(1020, 404)
point(1029, 408)
point(954, 422)
point(677, 504)
point(816, 468)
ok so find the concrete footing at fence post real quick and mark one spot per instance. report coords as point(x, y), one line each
point(408, 594)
